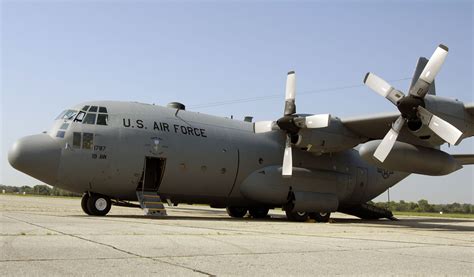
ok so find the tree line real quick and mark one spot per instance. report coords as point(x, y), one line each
point(401, 206)
point(424, 206)
point(38, 190)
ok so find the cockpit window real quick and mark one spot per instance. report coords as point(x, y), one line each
point(80, 117)
point(67, 114)
point(90, 118)
point(102, 119)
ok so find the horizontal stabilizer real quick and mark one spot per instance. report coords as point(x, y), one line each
point(464, 159)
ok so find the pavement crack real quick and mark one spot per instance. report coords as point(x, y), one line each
point(111, 246)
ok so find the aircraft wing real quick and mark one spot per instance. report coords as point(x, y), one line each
point(372, 126)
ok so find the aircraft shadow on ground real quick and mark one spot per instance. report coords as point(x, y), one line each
point(433, 224)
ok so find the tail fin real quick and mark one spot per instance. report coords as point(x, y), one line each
point(420, 65)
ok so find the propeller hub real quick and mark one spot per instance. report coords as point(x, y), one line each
point(408, 107)
point(287, 123)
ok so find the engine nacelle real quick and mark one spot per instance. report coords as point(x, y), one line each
point(334, 138)
point(410, 158)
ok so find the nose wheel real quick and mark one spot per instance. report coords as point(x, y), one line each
point(95, 204)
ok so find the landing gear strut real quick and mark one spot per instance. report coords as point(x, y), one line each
point(95, 204)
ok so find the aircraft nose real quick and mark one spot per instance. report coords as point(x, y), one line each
point(37, 156)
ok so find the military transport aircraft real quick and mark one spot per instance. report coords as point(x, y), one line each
point(309, 165)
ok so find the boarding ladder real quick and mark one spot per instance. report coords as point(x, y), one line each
point(151, 203)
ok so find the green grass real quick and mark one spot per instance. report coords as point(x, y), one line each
point(444, 215)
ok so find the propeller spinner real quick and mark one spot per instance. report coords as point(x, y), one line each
point(291, 123)
point(412, 106)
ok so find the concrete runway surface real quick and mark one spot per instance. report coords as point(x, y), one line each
point(52, 236)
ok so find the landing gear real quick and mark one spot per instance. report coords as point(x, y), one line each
point(95, 204)
point(297, 216)
point(258, 212)
point(237, 212)
point(320, 217)
point(84, 200)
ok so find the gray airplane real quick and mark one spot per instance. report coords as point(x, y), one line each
point(117, 153)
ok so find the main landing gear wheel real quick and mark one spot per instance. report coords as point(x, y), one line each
point(98, 204)
point(258, 212)
point(84, 200)
point(297, 216)
point(320, 217)
point(237, 212)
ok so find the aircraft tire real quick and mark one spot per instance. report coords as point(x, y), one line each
point(297, 216)
point(84, 200)
point(237, 212)
point(98, 204)
point(320, 217)
point(259, 212)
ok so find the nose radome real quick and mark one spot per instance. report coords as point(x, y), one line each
point(37, 156)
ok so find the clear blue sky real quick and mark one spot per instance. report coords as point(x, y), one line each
point(56, 54)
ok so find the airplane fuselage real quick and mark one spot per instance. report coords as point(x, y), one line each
point(206, 158)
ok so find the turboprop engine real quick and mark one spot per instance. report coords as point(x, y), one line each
point(410, 158)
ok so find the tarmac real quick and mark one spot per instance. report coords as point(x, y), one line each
point(52, 236)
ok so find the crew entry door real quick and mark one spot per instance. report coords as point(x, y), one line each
point(153, 173)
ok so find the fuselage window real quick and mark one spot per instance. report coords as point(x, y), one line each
point(60, 134)
point(102, 119)
point(80, 117)
point(85, 108)
point(90, 118)
point(102, 110)
point(64, 126)
point(76, 140)
point(87, 140)
point(93, 109)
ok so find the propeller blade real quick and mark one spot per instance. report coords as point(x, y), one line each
point(263, 126)
point(290, 107)
point(430, 71)
point(317, 121)
point(389, 140)
point(287, 169)
point(442, 128)
point(383, 88)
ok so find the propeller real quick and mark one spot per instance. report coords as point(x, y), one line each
point(412, 106)
point(291, 123)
